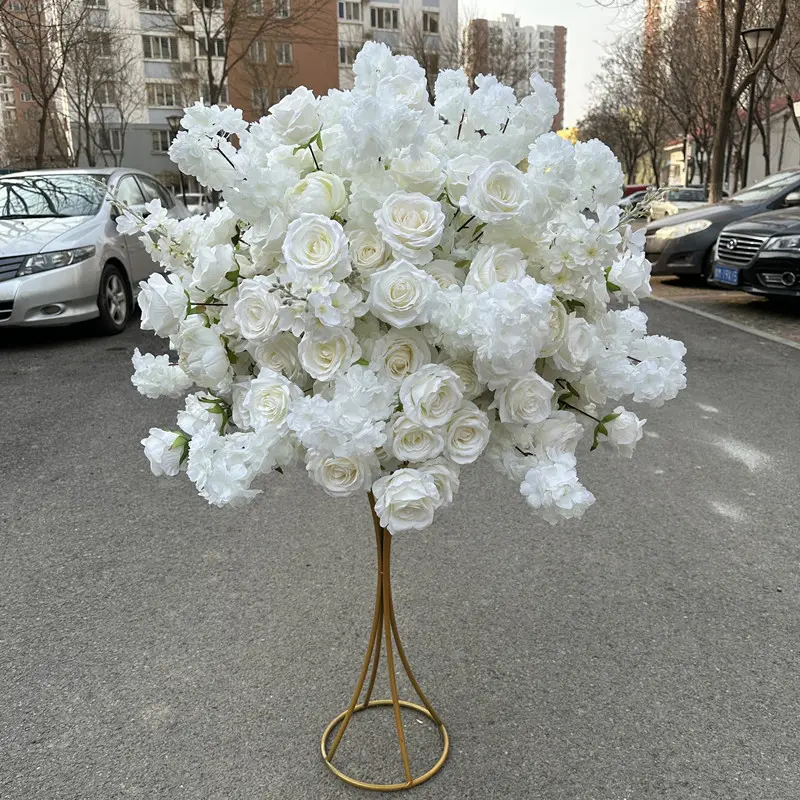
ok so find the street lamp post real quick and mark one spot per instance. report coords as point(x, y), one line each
point(174, 123)
point(755, 40)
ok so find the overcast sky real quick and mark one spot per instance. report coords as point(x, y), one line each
point(589, 27)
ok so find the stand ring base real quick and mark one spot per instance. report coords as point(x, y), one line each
point(386, 787)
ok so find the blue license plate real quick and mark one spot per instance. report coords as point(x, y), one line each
point(726, 275)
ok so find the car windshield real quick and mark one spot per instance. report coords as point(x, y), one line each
point(764, 190)
point(686, 195)
point(70, 195)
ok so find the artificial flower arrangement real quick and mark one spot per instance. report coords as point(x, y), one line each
point(392, 287)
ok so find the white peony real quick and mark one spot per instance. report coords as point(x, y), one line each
point(164, 451)
point(212, 265)
point(203, 355)
point(154, 376)
point(406, 500)
point(411, 224)
point(459, 171)
point(467, 434)
point(399, 294)
point(431, 394)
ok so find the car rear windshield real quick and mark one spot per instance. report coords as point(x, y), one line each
point(686, 195)
point(72, 195)
point(764, 190)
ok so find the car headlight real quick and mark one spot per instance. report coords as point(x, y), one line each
point(683, 229)
point(42, 262)
point(783, 243)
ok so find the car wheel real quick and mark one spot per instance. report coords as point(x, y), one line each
point(707, 270)
point(113, 301)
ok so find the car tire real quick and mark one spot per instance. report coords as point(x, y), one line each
point(707, 270)
point(113, 301)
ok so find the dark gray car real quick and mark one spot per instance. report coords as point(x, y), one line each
point(683, 244)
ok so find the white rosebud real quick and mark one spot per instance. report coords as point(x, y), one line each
point(445, 476)
point(368, 252)
point(431, 395)
point(524, 401)
point(624, 431)
point(408, 440)
point(315, 247)
point(211, 265)
point(342, 476)
point(155, 377)
point(406, 500)
point(576, 347)
point(399, 294)
point(326, 351)
point(411, 224)
point(257, 308)
point(317, 193)
point(467, 434)
point(495, 264)
point(163, 302)
point(496, 192)
point(399, 353)
point(202, 354)
point(295, 118)
point(164, 451)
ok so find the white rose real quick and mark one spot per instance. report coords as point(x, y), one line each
point(325, 351)
point(557, 328)
point(411, 224)
point(202, 354)
point(408, 440)
point(257, 308)
point(560, 432)
point(421, 173)
point(495, 264)
point(406, 500)
point(315, 246)
point(577, 345)
point(445, 476)
point(342, 476)
point(431, 395)
point(473, 386)
point(368, 252)
point(496, 192)
point(280, 354)
point(155, 377)
point(445, 272)
point(163, 303)
point(268, 400)
point(467, 434)
point(164, 451)
point(211, 265)
point(399, 353)
point(399, 294)
point(525, 401)
point(459, 171)
point(631, 273)
point(317, 193)
point(624, 431)
point(295, 118)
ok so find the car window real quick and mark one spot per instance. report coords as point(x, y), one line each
point(128, 192)
point(155, 191)
point(51, 195)
point(768, 188)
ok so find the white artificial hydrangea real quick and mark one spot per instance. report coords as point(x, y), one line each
point(393, 287)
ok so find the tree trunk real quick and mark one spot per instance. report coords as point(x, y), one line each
point(38, 160)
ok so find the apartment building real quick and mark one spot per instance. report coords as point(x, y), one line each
point(511, 51)
point(425, 29)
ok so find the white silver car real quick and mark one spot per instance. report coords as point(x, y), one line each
point(61, 257)
point(675, 200)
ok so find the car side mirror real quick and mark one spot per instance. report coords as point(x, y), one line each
point(792, 199)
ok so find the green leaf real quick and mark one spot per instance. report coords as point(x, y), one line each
point(609, 417)
point(363, 362)
point(612, 287)
point(232, 275)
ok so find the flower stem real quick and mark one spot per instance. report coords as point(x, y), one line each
point(311, 150)
point(580, 411)
point(466, 223)
point(463, 114)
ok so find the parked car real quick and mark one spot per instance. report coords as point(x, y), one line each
point(677, 199)
point(61, 258)
point(198, 203)
point(761, 255)
point(631, 188)
point(684, 244)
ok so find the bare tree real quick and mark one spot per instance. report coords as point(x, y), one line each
point(498, 50)
point(266, 79)
point(435, 45)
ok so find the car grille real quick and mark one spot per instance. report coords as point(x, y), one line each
point(6, 307)
point(9, 267)
point(736, 250)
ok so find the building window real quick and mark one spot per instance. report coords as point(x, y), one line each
point(283, 93)
point(283, 8)
point(106, 94)
point(257, 52)
point(100, 43)
point(31, 113)
point(160, 48)
point(347, 54)
point(283, 53)
point(210, 4)
point(385, 19)
point(7, 97)
point(255, 8)
point(430, 22)
point(111, 140)
point(96, 4)
point(161, 141)
point(215, 46)
point(25, 97)
point(156, 5)
point(259, 99)
point(222, 93)
point(163, 95)
point(10, 114)
point(349, 11)
point(3, 80)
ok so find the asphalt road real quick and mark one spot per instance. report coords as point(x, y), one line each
point(152, 647)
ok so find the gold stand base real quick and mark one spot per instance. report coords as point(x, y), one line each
point(384, 625)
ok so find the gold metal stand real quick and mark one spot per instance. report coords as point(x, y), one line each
point(384, 625)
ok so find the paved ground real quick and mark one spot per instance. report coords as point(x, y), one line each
point(151, 647)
